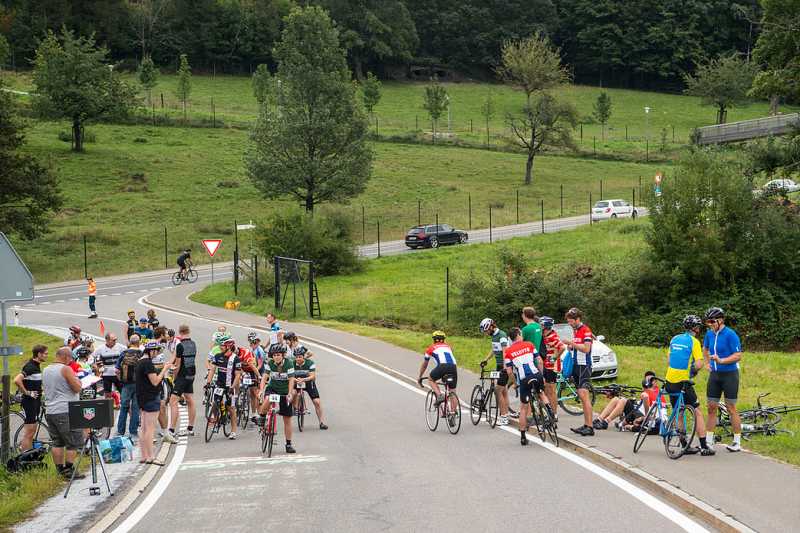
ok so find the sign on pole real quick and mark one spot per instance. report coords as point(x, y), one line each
point(211, 246)
point(16, 284)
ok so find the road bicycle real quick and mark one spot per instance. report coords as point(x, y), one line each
point(270, 425)
point(760, 420)
point(449, 408)
point(190, 276)
point(243, 401)
point(567, 395)
point(677, 431)
point(544, 419)
point(219, 417)
point(41, 434)
point(300, 411)
point(484, 398)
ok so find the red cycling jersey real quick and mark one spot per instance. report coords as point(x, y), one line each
point(554, 345)
point(247, 359)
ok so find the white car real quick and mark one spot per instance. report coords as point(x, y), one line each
point(605, 209)
point(783, 185)
point(604, 360)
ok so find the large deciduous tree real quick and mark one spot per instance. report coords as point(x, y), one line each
point(778, 52)
point(74, 81)
point(722, 82)
point(312, 146)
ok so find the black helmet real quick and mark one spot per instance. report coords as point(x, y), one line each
point(290, 336)
point(300, 351)
point(714, 313)
point(276, 349)
point(83, 351)
point(691, 322)
point(546, 322)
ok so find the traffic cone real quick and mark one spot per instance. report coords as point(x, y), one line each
point(102, 329)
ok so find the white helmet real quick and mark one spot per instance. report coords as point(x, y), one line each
point(486, 323)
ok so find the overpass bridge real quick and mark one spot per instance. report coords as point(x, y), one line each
point(748, 129)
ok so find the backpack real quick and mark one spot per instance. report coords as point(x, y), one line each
point(33, 458)
point(127, 372)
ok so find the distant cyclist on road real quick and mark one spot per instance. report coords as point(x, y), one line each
point(724, 351)
point(499, 343)
point(442, 353)
point(185, 262)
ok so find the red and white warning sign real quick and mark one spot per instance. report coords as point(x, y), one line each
point(212, 245)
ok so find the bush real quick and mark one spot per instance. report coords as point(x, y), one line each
point(326, 237)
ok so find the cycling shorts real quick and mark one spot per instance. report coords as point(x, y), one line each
point(311, 389)
point(183, 385)
point(530, 385)
point(503, 379)
point(550, 375)
point(720, 383)
point(181, 263)
point(284, 409)
point(689, 395)
point(32, 406)
point(582, 374)
point(444, 369)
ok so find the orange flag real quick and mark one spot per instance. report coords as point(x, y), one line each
point(102, 329)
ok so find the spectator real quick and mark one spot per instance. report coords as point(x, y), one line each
point(29, 383)
point(62, 386)
point(131, 324)
point(143, 330)
point(185, 355)
point(148, 389)
point(152, 321)
point(106, 357)
point(92, 297)
point(126, 366)
point(158, 360)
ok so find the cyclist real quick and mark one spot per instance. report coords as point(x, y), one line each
point(185, 262)
point(107, 354)
point(724, 351)
point(73, 340)
point(522, 361)
point(442, 353)
point(185, 357)
point(552, 360)
point(305, 371)
point(216, 346)
point(581, 346)
point(152, 321)
point(29, 383)
point(290, 339)
point(143, 330)
point(499, 343)
point(250, 368)
point(279, 379)
point(258, 351)
point(228, 376)
point(685, 360)
point(131, 324)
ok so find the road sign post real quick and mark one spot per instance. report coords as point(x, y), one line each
point(211, 246)
point(16, 284)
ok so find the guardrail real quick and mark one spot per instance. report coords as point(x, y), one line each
point(748, 129)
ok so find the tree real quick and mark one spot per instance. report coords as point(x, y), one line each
point(543, 122)
point(148, 76)
point(29, 193)
point(371, 92)
point(778, 52)
point(74, 81)
point(262, 84)
point(184, 88)
point(313, 145)
point(533, 65)
point(435, 103)
point(487, 110)
point(722, 82)
point(4, 51)
point(148, 21)
point(602, 111)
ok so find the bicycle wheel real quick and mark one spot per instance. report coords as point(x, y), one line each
point(226, 421)
point(550, 425)
point(680, 432)
point(212, 420)
point(191, 276)
point(476, 404)
point(644, 429)
point(208, 401)
point(569, 402)
point(42, 434)
point(264, 438)
point(538, 421)
point(301, 411)
point(492, 409)
point(453, 414)
point(243, 412)
point(431, 411)
point(176, 278)
point(271, 433)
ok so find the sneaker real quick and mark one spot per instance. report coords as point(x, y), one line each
point(503, 421)
point(439, 400)
point(618, 425)
point(512, 414)
point(290, 449)
point(232, 436)
point(707, 451)
point(734, 447)
point(691, 450)
point(169, 437)
point(66, 473)
point(186, 433)
point(600, 424)
point(323, 426)
point(583, 431)
point(523, 440)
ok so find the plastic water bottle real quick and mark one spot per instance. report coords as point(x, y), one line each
point(748, 427)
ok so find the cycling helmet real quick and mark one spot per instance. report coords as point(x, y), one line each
point(83, 351)
point(546, 322)
point(143, 319)
point(219, 337)
point(87, 341)
point(150, 346)
point(438, 334)
point(229, 343)
point(300, 351)
point(131, 311)
point(252, 337)
point(714, 313)
point(691, 322)
point(276, 349)
point(290, 336)
point(485, 324)
point(76, 330)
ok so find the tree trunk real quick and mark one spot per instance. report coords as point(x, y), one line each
point(77, 135)
point(529, 168)
point(357, 68)
point(721, 114)
point(309, 202)
point(774, 100)
point(434, 131)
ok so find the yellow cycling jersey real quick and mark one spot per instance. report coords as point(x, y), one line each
point(684, 350)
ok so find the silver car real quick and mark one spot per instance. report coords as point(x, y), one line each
point(604, 360)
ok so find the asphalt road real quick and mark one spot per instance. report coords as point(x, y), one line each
point(377, 468)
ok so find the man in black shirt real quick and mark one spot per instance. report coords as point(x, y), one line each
point(131, 323)
point(29, 382)
point(185, 356)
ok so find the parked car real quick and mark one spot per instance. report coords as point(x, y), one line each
point(431, 236)
point(783, 185)
point(605, 209)
point(604, 360)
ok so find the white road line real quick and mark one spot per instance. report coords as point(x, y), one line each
point(72, 314)
point(59, 301)
point(681, 520)
point(74, 299)
point(117, 294)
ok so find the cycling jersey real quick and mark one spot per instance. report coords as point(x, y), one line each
point(131, 324)
point(499, 343)
point(723, 344)
point(226, 368)
point(583, 335)
point(186, 351)
point(684, 350)
point(183, 257)
point(554, 347)
point(274, 329)
point(259, 354)
point(32, 376)
point(279, 376)
point(441, 353)
point(247, 359)
point(521, 357)
point(72, 342)
point(533, 333)
point(304, 370)
point(214, 351)
point(108, 356)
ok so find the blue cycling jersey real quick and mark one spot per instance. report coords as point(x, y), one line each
point(722, 344)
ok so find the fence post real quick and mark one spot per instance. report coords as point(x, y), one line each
point(311, 289)
point(562, 199)
point(590, 208)
point(256, 290)
point(626, 132)
point(236, 272)
point(419, 212)
point(416, 121)
point(213, 114)
point(490, 223)
point(447, 293)
point(640, 188)
point(647, 151)
point(542, 215)
point(601, 189)
point(633, 193)
point(470, 126)
point(517, 206)
point(469, 209)
point(437, 227)
point(379, 238)
point(594, 145)
point(166, 265)
point(581, 131)
point(673, 134)
point(277, 284)
point(153, 106)
point(363, 226)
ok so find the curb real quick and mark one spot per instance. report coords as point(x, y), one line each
point(661, 488)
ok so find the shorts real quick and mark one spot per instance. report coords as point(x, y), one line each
point(284, 409)
point(629, 411)
point(61, 435)
point(502, 381)
point(689, 395)
point(151, 406)
point(227, 394)
point(183, 385)
point(109, 382)
point(720, 383)
point(311, 389)
point(32, 406)
point(530, 385)
point(582, 374)
point(182, 264)
point(550, 375)
point(445, 369)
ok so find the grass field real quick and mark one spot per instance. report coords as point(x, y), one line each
point(123, 214)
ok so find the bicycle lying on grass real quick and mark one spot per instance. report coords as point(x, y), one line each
point(760, 420)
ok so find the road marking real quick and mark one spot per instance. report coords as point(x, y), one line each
point(59, 301)
point(216, 464)
point(71, 314)
point(74, 299)
point(667, 511)
point(117, 294)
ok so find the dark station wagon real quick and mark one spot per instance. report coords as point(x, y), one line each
point(432, 235)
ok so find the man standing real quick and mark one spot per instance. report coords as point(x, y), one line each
point(185, 355)
point(131, 325)
point(532, 331)
point(723, 349)
point(126, 372)
point(92, 297)
point(143, 330)
point(581, 346)
point(275, 333)
point(62, 386)
point(499, 343)
point(29, 383)
point(107, 354)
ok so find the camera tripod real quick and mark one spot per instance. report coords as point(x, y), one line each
point(96, 457)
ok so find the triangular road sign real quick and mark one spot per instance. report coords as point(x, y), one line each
point(212, 245)
point(16, 282)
